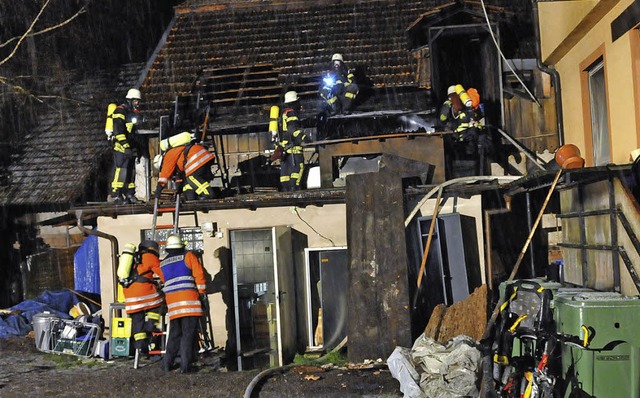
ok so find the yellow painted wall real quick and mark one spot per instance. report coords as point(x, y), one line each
point(558, 19)
point(328, 221)
point(619, 80)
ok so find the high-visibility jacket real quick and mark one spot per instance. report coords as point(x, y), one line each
point(184, 281)
point(292, 134)
point(143, 294)
point(124, 122)
point(197, 156)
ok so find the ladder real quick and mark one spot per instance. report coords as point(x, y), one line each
point(220, 168)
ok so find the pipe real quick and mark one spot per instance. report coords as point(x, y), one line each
point(555, 76)
point(459, 180)
point(114, 250)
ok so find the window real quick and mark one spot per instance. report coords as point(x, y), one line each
point(599, 114)
point(192, 236)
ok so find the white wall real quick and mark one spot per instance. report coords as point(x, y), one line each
point(329, 229)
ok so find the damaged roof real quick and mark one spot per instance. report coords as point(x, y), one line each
point(241, 56)
point(54, 164)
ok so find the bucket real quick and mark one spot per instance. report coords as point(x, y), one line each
point(568, 157)
point(42, 325)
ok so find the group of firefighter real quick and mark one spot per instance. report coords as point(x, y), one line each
point(190, 162)
point(179, 291)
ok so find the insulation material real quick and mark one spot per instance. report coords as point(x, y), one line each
point(449, 370)
point(467, 317)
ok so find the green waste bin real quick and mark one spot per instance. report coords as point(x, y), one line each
point(610, 365)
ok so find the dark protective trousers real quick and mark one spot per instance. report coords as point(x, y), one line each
point(141, 325)
point(291, 169)
point(197, 185)
point(123, 182)
point(182, 340)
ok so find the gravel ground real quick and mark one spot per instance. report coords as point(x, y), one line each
point(27, 372)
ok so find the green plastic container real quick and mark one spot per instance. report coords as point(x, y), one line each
point(610, 366)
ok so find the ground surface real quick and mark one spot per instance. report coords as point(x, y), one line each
point(25, 371)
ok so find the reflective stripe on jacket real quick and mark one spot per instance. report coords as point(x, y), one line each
point(197, 157)
point(142, 296)
point(184, 280)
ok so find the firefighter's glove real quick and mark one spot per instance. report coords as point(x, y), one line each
point(158, 191)
point(203, 298)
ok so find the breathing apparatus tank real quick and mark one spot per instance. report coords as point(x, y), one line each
point(176, 140)
point(126, 261)
point(108, 126)
point(464, 97)
point(274, 113)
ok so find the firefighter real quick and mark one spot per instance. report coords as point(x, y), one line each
point(289, 147)
point(142, 298)
point(191, 163)
point(469, 139)
point(184, 288)
point(338, 88)
point(125, 149)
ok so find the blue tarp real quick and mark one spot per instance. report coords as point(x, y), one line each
point(86, 264)
point(57, 302)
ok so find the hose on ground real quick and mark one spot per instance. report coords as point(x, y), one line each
point(260, 376)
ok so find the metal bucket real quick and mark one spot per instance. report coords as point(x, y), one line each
point(42, 325)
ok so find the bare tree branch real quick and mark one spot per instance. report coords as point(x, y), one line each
point(28, 33)
point(50, 28)
point(25, 34)
point(18, 89)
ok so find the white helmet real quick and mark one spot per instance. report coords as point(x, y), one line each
point(174, 242)
point(133, 93)
point(290, 96)
point(451, 90)
point(337, 57)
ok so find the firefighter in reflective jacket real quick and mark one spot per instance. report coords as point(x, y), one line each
point(141, 296)
point(338, 88)
point(469, 140)
point(184, 286)
point(290, 144)
point(125, 149)
point(193, 164)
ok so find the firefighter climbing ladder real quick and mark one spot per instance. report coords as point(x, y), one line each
point(165, 204)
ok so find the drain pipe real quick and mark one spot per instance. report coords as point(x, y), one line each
point(114, 250)
point(555, 76)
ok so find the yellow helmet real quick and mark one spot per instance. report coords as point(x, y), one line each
point(174, 242)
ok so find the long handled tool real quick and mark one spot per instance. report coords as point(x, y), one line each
point(427, 246)
point(176, 214)
point(155, 218)
point(496, 310)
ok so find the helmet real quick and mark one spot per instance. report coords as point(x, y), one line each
point(337, 57)
point(157, 162)
point(174, 242)
point(290, 96)
point(451, 90)
point(150, 246)
point(133, 93)
point(129, 248)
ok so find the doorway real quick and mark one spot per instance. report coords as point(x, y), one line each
point(326, 291)
point(264, 296)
